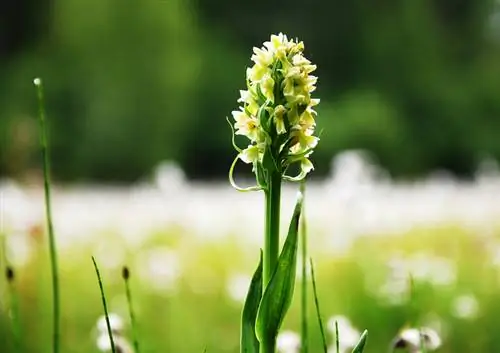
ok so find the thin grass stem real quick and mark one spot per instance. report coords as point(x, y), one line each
point(337, 336)
point(126, 278)
point(105, 306)
point(303, 229)
point(14, 307)
point(48, 212)
point(318, 311)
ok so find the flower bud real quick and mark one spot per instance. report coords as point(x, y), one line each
point(9, 274)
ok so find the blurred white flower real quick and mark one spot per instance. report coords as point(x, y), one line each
point(18, 248)
point(237, 287)
point(434, 322)
point(169, 177)
point(423, 267)
point(465, 307)
point(121, 344)
point(494, 252)
point(288, 342)
point(433, 269)
point(411, 339)
point(395, 290)
point(348, 334)
point(115, 322)
point(396, 287)
point(160, 267)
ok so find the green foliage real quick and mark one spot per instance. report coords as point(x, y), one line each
point(104, 305)
point(318, 311)
point(198, 312)
point(361, 344)
point(132, 85)
point(278, 294)
point(248, 340)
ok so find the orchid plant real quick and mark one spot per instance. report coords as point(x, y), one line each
point(277, 116)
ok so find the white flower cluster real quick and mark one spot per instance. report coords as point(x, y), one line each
point(116, 324)
point(348, 334)
point(277, 113)
point(288, 342)
point(416, 340)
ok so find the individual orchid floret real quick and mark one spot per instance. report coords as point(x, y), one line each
point(276, 112)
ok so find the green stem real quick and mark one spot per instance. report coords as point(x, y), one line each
point(131, 312)
point(272, 240)
point(268, 346)
point(318, 311)
point(105, 306)
point(15, 313)
point(271, 243)
point(304, 346)
point(48, 212)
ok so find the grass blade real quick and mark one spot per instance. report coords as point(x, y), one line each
point(248, 340)
point(318, 311)
point(303, 230)
point(361, 343)
point(105, 306)
point(128, 293)
point(337, 336)
point(48, 212)
point(14, 303)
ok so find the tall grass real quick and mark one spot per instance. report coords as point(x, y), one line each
point(48, 212)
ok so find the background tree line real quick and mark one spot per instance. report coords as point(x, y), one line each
point(131, 83)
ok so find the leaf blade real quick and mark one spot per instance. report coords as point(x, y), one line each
point(361, 343)
point(248, 340)
point(318, 311)
point(278, 294)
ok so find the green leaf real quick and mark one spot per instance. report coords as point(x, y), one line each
point(318, 312)
point(361, 344)
point(249, 342)
point(279, 292)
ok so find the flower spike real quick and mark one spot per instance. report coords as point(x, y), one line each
point(276, 112)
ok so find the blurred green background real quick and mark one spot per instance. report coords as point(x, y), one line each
point(129, 84)
point(132, 83)
point(188, 293)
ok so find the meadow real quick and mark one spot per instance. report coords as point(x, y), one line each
point(191, 249)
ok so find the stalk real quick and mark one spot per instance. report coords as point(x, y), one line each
point(268, 345)
point(303, 229)
point(271, 243)
point(15, 312)
point(126, 277)
point(48, 212)
point(272, 234)
point(105, 307)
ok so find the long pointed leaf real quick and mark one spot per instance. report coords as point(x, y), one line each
point(361, 344)
point(248, 341)
point(279, 292)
